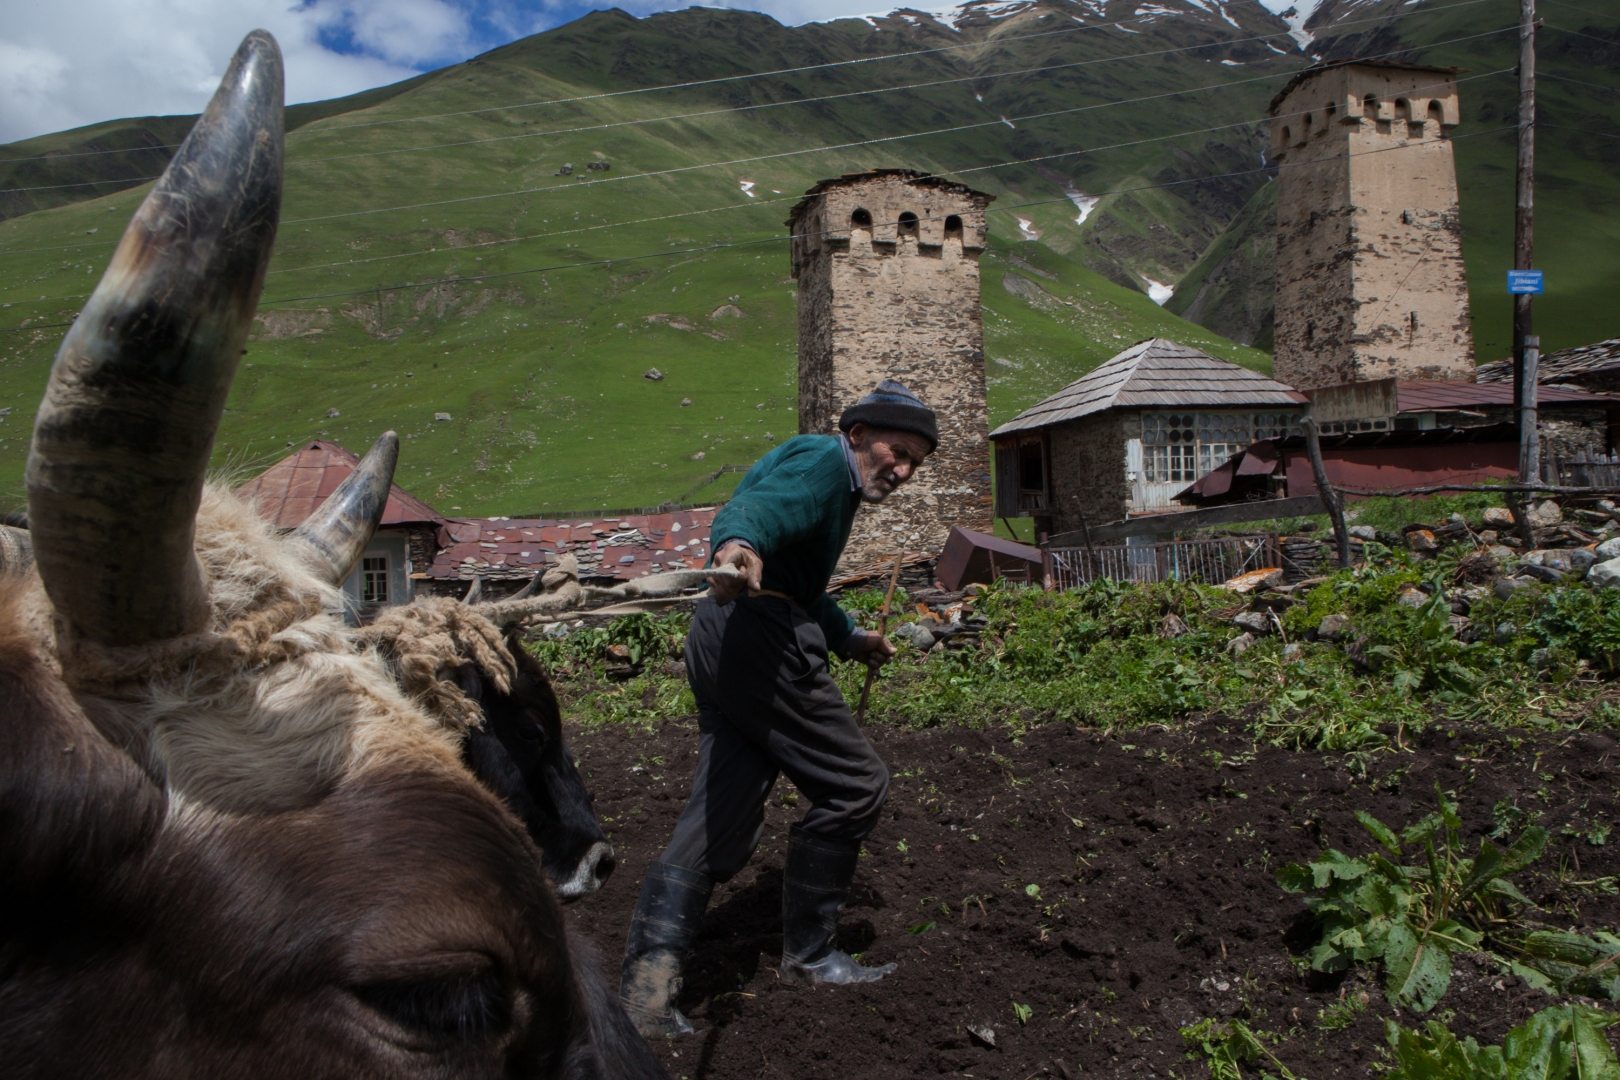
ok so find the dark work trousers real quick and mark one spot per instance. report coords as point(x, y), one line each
point(767, 704)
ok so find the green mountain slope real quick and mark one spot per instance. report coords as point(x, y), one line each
point(542, 372)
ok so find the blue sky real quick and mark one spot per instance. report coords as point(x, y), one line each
point(67, 63)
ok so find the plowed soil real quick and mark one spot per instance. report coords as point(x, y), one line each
point(1119, 887)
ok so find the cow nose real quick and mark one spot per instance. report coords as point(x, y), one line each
point(590, 872)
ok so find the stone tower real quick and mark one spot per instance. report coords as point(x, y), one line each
point(1370, 280)
point(888, 269)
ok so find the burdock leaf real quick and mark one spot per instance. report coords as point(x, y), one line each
point(1525, 850)
point(1380, 832)
point(1419, 969)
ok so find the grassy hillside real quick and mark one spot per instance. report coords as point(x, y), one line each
point(549, 309)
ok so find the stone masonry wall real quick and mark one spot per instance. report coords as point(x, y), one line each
point(1370, 280)
point(1089, 485)
point(888, 272)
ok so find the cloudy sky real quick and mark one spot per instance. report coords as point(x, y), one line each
point(66, 63)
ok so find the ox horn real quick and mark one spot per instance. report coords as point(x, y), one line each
point(333, 537)
point(115, 472)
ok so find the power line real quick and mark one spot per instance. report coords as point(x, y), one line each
point(481, 278)
point(1577, 33)
point(1583, 11)
point(764, 202)
point(954, 129)
point(1577, 82)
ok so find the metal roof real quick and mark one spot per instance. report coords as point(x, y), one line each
point(618, 546)
point(1155, 373)
point(289, 491)
point(1562, 364)
point(1440, 395)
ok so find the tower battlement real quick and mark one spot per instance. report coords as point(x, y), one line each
point(888, 269)
point(1370, 281)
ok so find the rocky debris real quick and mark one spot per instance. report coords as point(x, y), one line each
point(1421, 539)
point(1332, 627)
point(1254, 580)
point(1606, 574)
point(1609, 549)
point(1274, 601)
point(1411, 598)
point(1240, 644)
point(1257, 623)
point(1292, 652)
point(1505, 587)
point(1548, 574)
point(1172, 627)
point(332, 414)
point(1303, 557)
point(1362, 532)
point(566, 170)
point(699, 456)
point(1356, 651)
point(685, 401)
point(1546, 515)
point(441, 416)
point(652, 374)
point(726, 311)
point(1497, 517)
point(599, 166)
point(1478, 568)
point(916, 635)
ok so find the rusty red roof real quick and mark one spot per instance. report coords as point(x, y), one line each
point(289, 491)
point(620, 546)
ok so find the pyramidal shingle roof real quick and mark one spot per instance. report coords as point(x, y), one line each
point(1156, 373)
point(1563, 364)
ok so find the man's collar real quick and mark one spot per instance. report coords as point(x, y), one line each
point(849, 460)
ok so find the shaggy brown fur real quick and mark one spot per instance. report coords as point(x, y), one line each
point(247, 853)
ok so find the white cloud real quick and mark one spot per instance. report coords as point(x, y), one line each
point(67, 63)
point(74, 62)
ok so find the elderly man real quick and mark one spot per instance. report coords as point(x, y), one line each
point(767, 704)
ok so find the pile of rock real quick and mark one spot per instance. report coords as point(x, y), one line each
point(945, 620)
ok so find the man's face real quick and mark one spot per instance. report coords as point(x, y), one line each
point(885, 459)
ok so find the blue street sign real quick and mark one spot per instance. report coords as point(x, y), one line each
point(1521, 282)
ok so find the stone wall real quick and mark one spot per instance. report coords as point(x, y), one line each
point(1089, 485)
point(888, 273)
point(1370, 280)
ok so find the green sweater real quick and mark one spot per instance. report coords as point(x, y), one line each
point(795, 509)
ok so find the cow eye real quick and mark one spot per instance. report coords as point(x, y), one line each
point(530, 732)
point(460, 1008)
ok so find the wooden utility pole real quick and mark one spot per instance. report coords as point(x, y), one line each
point(1330, 498)
point(1524, 386)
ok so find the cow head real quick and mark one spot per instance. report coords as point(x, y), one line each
point(231, 845)
point(519, 753)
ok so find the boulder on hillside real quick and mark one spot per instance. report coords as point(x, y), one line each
point(1498, 518)
point(1605, 574)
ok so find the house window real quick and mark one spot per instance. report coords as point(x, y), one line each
point(1180, 447)
point(374, 579)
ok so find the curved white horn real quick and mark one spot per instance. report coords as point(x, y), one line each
point(115, 472)
point(333, 538)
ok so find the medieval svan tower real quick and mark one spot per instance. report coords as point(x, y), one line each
point(888, 269)
point(1370, 280)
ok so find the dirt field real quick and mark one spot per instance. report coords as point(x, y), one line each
point(1151, 858)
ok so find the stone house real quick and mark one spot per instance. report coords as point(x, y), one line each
point(400, 552)
point(1129, 435)
point(887, 264)
point(1370, 281)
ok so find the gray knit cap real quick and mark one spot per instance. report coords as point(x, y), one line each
point(895, 408)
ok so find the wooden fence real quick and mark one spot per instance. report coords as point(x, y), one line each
point(1207, 561)
point(1590, 469)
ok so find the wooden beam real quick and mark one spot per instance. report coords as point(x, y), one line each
point(1160, 524)
point(1330, 498)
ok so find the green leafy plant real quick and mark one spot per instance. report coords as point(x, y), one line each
point(1023, 1012)
point(1562, 1043)
point(1228, 1046)
point(1412, 917)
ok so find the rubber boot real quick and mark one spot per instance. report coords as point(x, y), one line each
point(667, 918)
point(814, 888)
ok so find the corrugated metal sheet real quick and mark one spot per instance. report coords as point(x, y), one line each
point(1562, 364)
point(289, 491)
point(1156, 373)
point(623, 547)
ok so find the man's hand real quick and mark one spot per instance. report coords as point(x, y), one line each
point(746, 560)
point(870, 648)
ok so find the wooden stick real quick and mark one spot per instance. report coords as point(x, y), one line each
point(883, 630)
